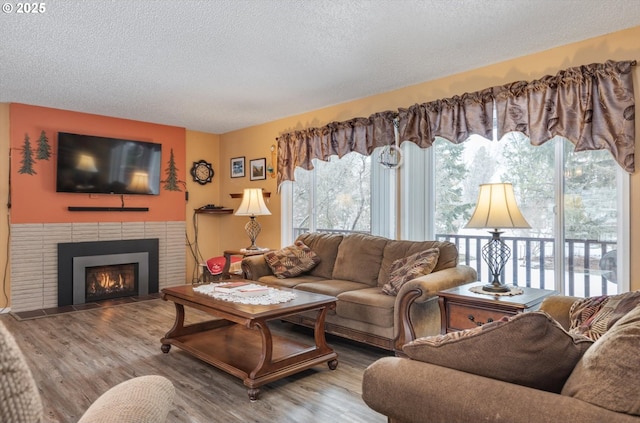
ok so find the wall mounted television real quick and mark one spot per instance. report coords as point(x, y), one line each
point(100, 165)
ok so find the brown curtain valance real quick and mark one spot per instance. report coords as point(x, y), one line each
point(454, 119)
point(593, 106)
point(362, 135)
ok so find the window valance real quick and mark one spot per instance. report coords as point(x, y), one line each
point(593, 106)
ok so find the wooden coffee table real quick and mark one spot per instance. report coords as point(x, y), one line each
point(240, 341)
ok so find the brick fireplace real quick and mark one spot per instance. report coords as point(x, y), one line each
point(99, 270)
point(34, 256)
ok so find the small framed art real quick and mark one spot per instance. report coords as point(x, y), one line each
point(258, 169)
point(237, 167)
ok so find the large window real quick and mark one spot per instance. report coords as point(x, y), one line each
point(569, 199)
point(577, 201)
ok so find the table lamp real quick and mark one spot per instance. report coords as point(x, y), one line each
point(252, 205)
point(496, 209)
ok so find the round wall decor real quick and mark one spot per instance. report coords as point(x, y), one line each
point(202, 172)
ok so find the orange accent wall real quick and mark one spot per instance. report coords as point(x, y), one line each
point(34, 198)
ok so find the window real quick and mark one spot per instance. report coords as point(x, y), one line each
point(575, 200)
point(341, 195)
point(586, 220)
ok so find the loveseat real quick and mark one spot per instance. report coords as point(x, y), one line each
point(355, 268)
point(602, 386)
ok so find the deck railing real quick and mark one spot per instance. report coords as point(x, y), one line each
point(589, 264)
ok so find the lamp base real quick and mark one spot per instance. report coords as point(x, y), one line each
point(496, 287)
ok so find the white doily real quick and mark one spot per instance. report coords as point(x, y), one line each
point(513, 290)
point(273, 296)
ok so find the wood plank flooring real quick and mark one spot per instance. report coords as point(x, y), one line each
point(75, 357)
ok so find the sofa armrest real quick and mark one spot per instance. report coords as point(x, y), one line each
point(558, 306)
point(255, 267)
point(422, 290)
point(432, 283)
point(143, 399)
point(406, 391)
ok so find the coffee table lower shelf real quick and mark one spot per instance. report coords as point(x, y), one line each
point(238, 351)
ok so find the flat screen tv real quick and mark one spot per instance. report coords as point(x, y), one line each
point(99, 165)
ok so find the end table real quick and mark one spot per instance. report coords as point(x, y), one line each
point(462, 309)
point(243, 253)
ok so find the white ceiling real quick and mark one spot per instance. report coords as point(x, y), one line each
point(221, 65)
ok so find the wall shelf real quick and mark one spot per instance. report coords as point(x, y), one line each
point(213, 211)
point(109, 209)
point(264, 194)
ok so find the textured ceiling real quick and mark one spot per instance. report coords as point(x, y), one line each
point(221, 65)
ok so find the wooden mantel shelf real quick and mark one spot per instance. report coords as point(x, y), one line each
point(214, 211)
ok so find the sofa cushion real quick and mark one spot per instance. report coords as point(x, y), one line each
point(277, 282)
point(395, 250)
point(19, 396)
point(367, 305)
point(331, 286)
point(326, 247)
point(292, 260)
point(594, 316)
point(411, 267)
point(608, 375)
point(359, 258)
point(529, 349)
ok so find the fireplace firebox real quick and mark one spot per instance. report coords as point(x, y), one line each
point(111, 281)
point(100, 270)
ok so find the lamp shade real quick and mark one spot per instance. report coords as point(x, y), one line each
point(252, 203)
point(139, 182)
point(86, 163)
point(497, 208)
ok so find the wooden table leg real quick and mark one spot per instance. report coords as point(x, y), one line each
point(177, 328)
point(227, 266)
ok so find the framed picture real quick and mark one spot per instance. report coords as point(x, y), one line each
point(258, 169)
point(237, 167)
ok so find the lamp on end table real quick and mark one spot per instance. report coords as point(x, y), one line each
point(496, 209)
point(252, 205)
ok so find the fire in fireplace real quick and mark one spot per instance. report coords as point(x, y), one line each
point(112, 281)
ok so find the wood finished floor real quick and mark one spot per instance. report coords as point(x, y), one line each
point(75, 357)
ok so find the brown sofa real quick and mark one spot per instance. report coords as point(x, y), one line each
point(354, 268)
point(412, 391)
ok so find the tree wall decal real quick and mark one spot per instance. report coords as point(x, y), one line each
point(171, 183)
point(27, 158)
point(44, 149)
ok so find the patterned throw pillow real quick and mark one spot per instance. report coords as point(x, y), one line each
point(411, 267)
point(608, 375)
point(529, 349)
point(292, 260)
point(593, 316)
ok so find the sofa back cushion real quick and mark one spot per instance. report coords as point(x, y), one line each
point(608, 375)
point(395, 250)
point(359, 258)
point(529, 349)
point(326, 247)
point(19, 396)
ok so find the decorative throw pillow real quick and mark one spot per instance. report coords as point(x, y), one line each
point(292, 260)
point(608, 375)
point(529, 349)
point(593, 316)
point(19, 397)
point(411, 267)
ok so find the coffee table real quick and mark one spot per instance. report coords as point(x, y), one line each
point(240, 342)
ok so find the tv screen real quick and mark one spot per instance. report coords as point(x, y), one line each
point(99, 165)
